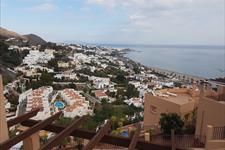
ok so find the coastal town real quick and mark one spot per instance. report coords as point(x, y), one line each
point(100, 84)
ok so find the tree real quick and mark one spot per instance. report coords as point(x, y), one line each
point(120, 79)
point(10, 57)
point(177, 84)
point(46, 79)
point(111, 94)
point(171, 121)
point(131, 91)
point(136, 69)
point(72, 85)
point(64, 121)
point(90, 123)
point(104, 101)
point(6, 79)
point(3, 46)
point(113, 119)
point(53, 63)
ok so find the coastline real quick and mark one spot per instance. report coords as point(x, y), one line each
point(204, 63)
point(180, 75)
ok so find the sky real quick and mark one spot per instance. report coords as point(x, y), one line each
point(188, 22)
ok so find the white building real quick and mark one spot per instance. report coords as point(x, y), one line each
point(81, 58)
point(66, 75)
point(100, 83)
point(38, 98)
point(137, 102)
point(164, 83)
point(35, 57)
point(76, 103)
point(62, 64)
point(135, 83)
point(13, 47)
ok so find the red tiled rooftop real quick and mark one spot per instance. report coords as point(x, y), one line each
point(100, 93)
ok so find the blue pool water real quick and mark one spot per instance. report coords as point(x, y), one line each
point(59, 104)
point(125, 134)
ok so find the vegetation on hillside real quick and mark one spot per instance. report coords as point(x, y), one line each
point(46, 79)
point(9, 57)
point(117, 113)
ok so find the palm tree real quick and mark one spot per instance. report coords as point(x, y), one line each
point(113, 119)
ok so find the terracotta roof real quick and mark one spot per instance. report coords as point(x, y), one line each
point(73, 95)
point(79, 101)
point(100, 93)
point(74, 106)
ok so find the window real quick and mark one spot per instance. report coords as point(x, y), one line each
point(153, 109)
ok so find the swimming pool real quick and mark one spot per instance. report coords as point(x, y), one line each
point(59, 104)
point(125, 134)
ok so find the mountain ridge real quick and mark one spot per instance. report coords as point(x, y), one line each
point(35, 39)
point(31, 38)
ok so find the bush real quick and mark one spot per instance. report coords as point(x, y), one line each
point(64, 121)
point(120, 79)
point(171, 121)
point(131, 91)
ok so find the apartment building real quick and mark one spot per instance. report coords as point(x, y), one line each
point(76, 103)
point(211, 111)
point(39, 98)
point(177, 100)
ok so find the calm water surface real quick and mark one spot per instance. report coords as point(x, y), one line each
point(201, 61)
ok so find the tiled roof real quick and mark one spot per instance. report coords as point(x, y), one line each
point(72, 95)
point(100, 93)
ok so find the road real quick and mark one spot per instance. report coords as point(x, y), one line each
point(91, 98)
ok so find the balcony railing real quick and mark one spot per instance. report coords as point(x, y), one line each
point(219, 133)
point(181, 141)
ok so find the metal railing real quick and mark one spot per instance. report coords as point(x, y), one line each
point(219, 133)
point(181, 141)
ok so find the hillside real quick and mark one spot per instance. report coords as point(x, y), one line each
point(8, 59)
point(34, 39)
point(31, 38)
point(4, 33)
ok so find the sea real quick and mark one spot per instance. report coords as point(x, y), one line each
point(202, 61)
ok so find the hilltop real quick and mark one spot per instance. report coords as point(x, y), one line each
point(30, 38)
point(34, 39)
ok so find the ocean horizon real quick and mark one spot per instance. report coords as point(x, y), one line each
point(206, 61)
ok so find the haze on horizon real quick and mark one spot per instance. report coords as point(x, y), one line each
point(194, 22)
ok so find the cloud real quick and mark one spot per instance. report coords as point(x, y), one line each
point(136, 17)
point(43, 7)
point(108, 3)
point(167, 20)
point(140, 3)
point(141, 12)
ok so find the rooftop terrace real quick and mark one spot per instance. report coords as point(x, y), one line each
point(180, 99)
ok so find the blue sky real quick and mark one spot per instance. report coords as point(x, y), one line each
point(118, 21)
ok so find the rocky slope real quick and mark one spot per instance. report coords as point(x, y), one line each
point(31, 38)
